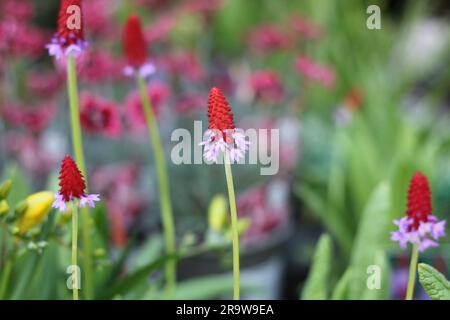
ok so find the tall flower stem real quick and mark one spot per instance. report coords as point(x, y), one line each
point(75, 275)
point(77, 142)
point(412, 272)
point(164, 190)
point(234, 225)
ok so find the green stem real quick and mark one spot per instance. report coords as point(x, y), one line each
point(75, 275)
point(412, 272)
point(164, 190)
point(234, 225)
point(79, 158)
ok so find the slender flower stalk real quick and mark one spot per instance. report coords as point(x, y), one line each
point(234, 226)
point(75, 274)
point(412, 272)
point(136, 53)
point(73, 191)
point(419, 227)
point(223, 138)
point(67, 44)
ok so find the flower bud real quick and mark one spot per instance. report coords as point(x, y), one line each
point(38, 207)
point(217, 212)
point(5, 187)
point(4, 207)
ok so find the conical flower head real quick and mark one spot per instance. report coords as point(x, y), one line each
point(70, 23)
point(71, 180)
point(69, 38)
point(222, 134)
point(134, 43)
point(219, 111)
point(419, 199)
point(419, 226)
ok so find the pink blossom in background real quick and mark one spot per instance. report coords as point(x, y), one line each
point(160, 28)
point(30, 152)
point(158, 92)
point(306, 28)
point(100, 116)
point(35, 118)
point(20, 10)
point(315, 72)
point(184, 64)
point(119, 186)
point(21, 39)
point(191, 102)
point(99, 18)
point(266, 206)
point(44, 84)
point(267, 86)
point(99, 66)
point(268, 37)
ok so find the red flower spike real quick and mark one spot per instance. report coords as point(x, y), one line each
point(419, 200)
point(219, 111)
point(70, 26)
point(71, 180)
point(134, 42)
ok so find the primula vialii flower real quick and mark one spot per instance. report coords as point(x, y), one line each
point(135, 49)
point(419, 226)
point(69, 38)
point(222, 134)
point(72, 187)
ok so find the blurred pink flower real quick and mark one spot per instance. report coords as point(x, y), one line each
point(29, 152)
point(267, 86)
point(315, 72)
point(100, 66)
point(268, 37)
point(44, 84)
point(191, 102)
point(184, 65)
point(159, 29)
point(21, 39)
point(306, 28)
point(99, 115)
point(267, 208)
point(99, 18)
point(158, 93)
point(35, 118)
point(20, 10)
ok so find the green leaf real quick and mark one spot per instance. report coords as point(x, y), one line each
point(316, 286)
point(340, 291)
point(435, 284)
point(368, 244)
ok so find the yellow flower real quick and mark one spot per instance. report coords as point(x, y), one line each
point(38, 207)
point(4, 207)
point(217, 212)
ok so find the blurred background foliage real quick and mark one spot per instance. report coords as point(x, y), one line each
point(359, 111)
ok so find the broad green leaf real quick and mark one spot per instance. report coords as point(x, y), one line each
point(435, 284)
point(369, 241)
point(340, 291)
point(316, 286)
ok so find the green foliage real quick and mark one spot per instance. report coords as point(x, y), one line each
point(317, 283)
point(340, 291)
point(369, 242)
point(435, 284)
